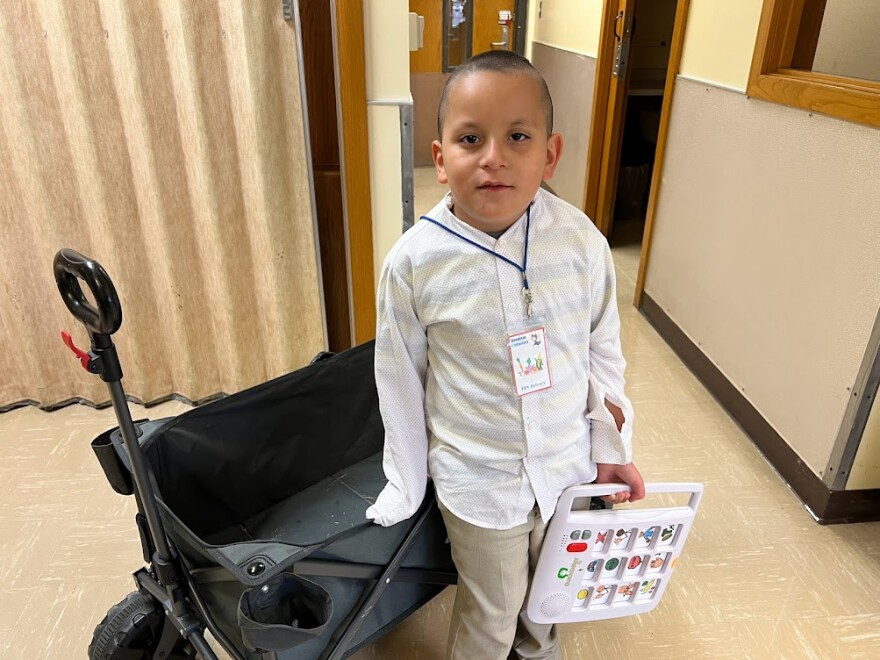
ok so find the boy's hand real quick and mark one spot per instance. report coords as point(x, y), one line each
point(609, 473)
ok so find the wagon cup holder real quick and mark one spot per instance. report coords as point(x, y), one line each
point(287, 610)
point(117, 474)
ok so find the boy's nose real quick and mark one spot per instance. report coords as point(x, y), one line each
point(493, 155)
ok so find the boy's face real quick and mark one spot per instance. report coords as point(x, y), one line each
point(495, 150)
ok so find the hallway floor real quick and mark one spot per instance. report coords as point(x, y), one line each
point(758, 578)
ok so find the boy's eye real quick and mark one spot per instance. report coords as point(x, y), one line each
point(519, 137)
point(469, 139)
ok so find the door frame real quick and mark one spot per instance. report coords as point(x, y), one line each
point(602, 121)
point(521, 22)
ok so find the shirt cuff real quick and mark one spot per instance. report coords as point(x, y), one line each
point(608, 445)
point(391, 508)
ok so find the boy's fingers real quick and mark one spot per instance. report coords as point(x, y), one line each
point(637, 487)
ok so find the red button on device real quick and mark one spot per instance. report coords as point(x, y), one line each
point(576, 547)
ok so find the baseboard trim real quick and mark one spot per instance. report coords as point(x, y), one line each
point(825, 505)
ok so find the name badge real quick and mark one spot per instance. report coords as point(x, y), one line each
point(528, 359)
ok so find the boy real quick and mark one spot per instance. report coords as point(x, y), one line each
point(498, 358)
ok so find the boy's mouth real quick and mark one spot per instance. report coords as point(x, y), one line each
point(493, 185)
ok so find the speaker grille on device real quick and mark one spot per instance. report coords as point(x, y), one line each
point(556, 604)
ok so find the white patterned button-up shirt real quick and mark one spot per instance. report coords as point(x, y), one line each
point(445, 381)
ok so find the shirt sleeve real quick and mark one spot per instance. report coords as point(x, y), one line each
point(401, 365)
point(607, 366)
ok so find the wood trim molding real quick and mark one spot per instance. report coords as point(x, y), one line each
point(777, 33)
point(808, 34)
point(781, 42)
point(868, 86)
point(354, 138)
point(825, 505)
point(676, 50)
point(852, 103)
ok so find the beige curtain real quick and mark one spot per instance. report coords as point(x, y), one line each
point(165, 139)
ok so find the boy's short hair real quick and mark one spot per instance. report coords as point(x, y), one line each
point(499, 61)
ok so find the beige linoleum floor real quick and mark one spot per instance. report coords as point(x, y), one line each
point(758, 579)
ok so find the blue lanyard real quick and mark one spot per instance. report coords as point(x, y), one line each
point(527, 292)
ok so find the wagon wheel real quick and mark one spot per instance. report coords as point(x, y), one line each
point(131, 631)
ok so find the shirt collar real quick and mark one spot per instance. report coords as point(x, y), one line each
point(515, 231)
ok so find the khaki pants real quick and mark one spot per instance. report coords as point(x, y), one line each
point(494, 571)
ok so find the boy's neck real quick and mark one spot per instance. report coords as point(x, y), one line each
point(494, 230)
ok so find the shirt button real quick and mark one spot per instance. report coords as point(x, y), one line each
point(531, 426)
point(511, 307)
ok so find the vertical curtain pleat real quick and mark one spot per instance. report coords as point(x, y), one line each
point(165, 139)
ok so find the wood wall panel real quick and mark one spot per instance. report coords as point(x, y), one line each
point(331, 219)
point(317, 38)
point(318, 69)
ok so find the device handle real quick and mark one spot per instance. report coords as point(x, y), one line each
point(70, 266)
point(598, 490)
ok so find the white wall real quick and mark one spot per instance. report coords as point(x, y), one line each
point(572, 25)
point(766, 241)
point(530, 27)
point(721, 36)
point(764, 253)
point(386, 33)
point(720, 41)
point(570, 29)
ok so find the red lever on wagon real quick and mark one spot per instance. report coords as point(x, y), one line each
point(84, 357)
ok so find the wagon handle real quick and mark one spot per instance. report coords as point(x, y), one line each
point(166, 577)
point(70, 266)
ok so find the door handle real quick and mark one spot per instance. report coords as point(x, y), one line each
point(632, 29)
point(616, 21)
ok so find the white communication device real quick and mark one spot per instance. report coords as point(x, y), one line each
point(608, 563)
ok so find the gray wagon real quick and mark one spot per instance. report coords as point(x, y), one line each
point(251, 510)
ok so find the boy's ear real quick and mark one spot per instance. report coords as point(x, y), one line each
point(437, 154)
point(554, 153)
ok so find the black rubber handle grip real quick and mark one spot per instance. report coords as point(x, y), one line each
point(70, 267)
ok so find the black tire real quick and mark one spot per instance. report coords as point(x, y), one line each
point(131, 631)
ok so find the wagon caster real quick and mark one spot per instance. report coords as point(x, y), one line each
point(132, 630)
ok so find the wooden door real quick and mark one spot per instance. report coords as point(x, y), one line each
point(607, 133)
point(486, 28)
